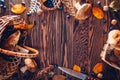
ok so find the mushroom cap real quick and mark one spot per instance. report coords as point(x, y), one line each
point(31, 64)
point(114, 39)
point(83, 11)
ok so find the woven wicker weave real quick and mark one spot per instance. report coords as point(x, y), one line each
point(57, 4)
point(9, 60)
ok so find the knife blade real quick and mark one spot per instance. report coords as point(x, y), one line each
point(76, 74)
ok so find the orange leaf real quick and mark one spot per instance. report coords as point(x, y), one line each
point(98, 68)
point(24, 26)
point(76, 68)
point(98, 13)
point(18, 8)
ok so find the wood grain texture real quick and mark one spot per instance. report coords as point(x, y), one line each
point(64, 41)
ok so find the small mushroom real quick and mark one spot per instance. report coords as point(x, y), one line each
point(114, 39)
point(83, 11)
point(30, 65)
point(114, 22)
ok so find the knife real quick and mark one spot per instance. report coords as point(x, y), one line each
point(76, 74)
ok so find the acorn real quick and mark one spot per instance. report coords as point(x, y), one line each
point(100, 75)
point(106, 8)
point(114, 22)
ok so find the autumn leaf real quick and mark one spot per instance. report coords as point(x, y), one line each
point(77, 68)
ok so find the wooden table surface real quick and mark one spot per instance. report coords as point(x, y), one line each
point(65, 41)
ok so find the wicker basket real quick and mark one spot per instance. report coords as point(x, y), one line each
point(9, 60)
point(50, 8)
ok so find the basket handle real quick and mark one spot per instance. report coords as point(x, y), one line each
point(19, 54)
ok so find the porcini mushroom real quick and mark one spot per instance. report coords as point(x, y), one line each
point(83, 11)
point(114, 39)
point(30, 65)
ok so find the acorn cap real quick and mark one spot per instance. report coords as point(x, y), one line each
point(18, 8)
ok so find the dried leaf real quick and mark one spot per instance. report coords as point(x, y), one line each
point(76, 68)
point(98, 68)
point(98, 13)
point(24, 26)
point(18, 8)
point(115, 5)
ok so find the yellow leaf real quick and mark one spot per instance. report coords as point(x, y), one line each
point(98, 13)
point(76, 68)
point(24, 26)
point(98, 68)
point(18, 8)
